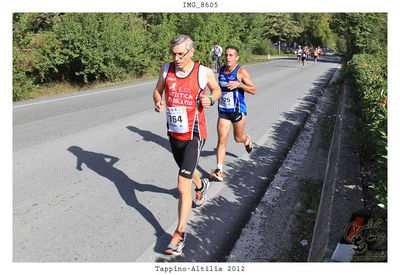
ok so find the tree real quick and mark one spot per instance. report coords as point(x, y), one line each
point(280, 27)
point(362, 32)
point(318, 31)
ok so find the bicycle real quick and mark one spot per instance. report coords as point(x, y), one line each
point(213, 65)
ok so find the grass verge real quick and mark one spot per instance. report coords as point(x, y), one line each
point(53, 89)
point(310, 193)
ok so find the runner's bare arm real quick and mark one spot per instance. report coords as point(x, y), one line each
point(248, 84)
point(215, 90)
point(158, 92)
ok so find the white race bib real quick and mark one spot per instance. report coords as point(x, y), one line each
point(226, 101)
point(177, 120)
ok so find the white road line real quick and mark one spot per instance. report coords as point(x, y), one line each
point(71, 97)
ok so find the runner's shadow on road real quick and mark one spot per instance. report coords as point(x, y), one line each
point(163, 142)
point(126, 187)
point(214, 153)
point(149, 136)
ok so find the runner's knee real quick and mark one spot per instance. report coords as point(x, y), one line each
point(184, 185)
point(222, 141)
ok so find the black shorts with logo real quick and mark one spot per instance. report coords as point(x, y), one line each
point(186, 154)
point(232, 116)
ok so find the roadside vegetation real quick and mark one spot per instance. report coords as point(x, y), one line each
point(55, 53)
point(364, 48)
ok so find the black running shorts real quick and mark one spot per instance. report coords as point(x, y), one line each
point(186, 154)
point(233, 116)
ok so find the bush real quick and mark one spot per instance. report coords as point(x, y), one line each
point(102, 46)
point(23, 85)
point(369, 75)
point(263, 47)
point(76, 47)
point(80, 48)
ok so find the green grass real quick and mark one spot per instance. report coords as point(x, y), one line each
point(310, 193)
point(52, 89)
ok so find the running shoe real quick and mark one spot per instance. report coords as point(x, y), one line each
point(177, 244)
point(248, 145)
point(200, 199)
point(217, 175)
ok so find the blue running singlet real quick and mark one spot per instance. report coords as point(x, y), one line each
point(231, 100)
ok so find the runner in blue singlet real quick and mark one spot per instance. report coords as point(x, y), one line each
point(234, 81)
point(231, 105)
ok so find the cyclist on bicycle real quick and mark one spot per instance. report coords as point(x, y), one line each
point(217, 50)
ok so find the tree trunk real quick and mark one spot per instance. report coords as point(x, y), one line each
point(279, 47)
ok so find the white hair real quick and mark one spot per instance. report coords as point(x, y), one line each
point(180, 39)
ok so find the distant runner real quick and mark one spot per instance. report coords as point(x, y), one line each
point(298, 54)
point(316, 53)
point(303, 57)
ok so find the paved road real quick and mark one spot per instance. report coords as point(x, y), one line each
point(94, 179)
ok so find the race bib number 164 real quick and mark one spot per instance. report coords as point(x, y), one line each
point(177, 120)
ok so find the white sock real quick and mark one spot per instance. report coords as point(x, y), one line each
point(247, 140)
point(219, 166)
